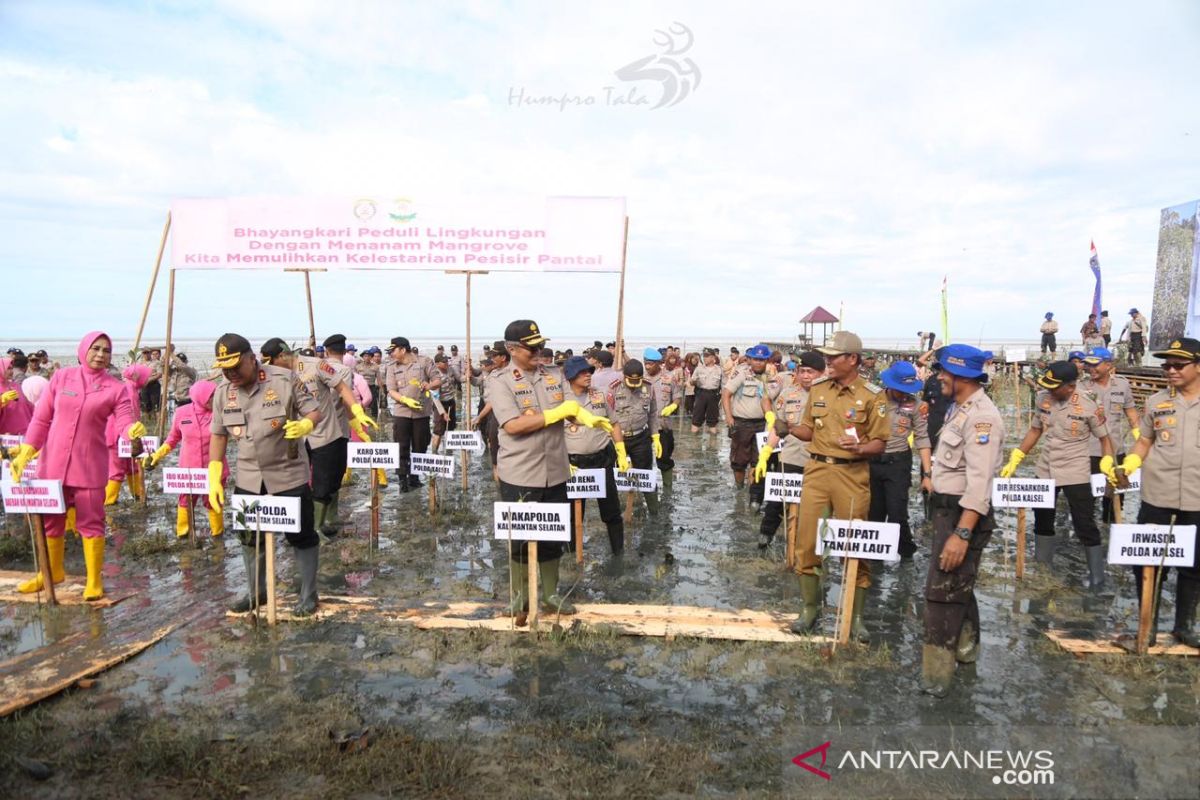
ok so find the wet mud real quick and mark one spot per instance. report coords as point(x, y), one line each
point(361, 708)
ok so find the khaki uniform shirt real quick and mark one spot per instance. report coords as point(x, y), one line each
point(747, 390)
point(451, 381)
point(1049, 326)
point(789, 410)
point(582, 440)
point(1105, 326)
point(1171, 473)
point(706, 377)
point(666, 391)
point(907, 417)
point(406, 380)
point(182, 378)
point(970, 453)
point(832, 408)
point(370, 373)
point(1137, 324)
point(1114, 398)
point(253, 417)
point(635, 410)
point(538, 459)
point(322, 378)
point(1067, 428)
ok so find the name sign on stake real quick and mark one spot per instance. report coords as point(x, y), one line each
point(26, 475)
point(636, 480)
point(1022, 493)
point(185, 480)
point(587, 484)
point(784, 486)
point(371, 455)
point(463, 440)
point(760, 439)
point(533, 522)
point(275, 514)
point(125, 449)
point(875, 541)
point(34, 497)
point(1144, 545)
point(1099, 482)
point(9, 440)
point(437, 466)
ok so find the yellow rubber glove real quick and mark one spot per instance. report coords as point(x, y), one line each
point(656, 439)
point(297, 428)
point(1014, 461)
point(8, 397)
point(670, 409)
point(770, 420)
point(411, 403)
point(136, 431)
point(760, 468)
point(561, 412)
point(623, 462)
point(25, 452)
point(360, 430)
point(1108, 468)
point(159, 454)
point(360, 416)
point(1137, 434)
point(574, 469)
point(216, 491)
point(585, 417)
point(1132, 463)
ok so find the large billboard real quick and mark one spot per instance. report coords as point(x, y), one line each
point(1177, 276)
point(513, 234)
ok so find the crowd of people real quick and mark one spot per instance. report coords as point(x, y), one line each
point(859, 436)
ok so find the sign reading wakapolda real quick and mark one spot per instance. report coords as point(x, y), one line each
point(513, 234)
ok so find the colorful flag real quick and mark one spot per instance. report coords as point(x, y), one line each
point(945, 311)
point(1094, 262)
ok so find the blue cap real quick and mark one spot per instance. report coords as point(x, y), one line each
point(351, 348)
point(320, 348)
point(902, 377)
point(963, 360)
point(1098, 355)
point(1076, 354)
point(576, 365)
point(651, 354)
point(759, 351)
point(1049, 314)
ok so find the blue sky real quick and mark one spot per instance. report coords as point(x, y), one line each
point(853, 153)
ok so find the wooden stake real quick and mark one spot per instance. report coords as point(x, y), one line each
point(312, 326)
point(629, 508)
point(849, 579)
point(433, 499)
point(374, 509)
point(270, 578)
point(166, 374)
point(534, 600)
point(578, 530)
point(43, 557)
point(469, 361)
point(1146, 610)
point(1116, 507)
point(162, 245)
point(191, 517)
point(618, 358)
point(789, 558)
point(1020, 542)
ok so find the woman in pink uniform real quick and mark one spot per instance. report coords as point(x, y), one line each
point(119, 468)
point(68, 428)
point(190, 425)
point(15, 409)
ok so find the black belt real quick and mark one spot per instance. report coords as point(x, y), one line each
point(892, 458)
point(939, 500)
point(635, 435)
point(833, 459)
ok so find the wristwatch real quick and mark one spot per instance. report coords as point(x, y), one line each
point(963, 533)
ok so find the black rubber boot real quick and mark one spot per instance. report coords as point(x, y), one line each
point(248, 602)
point(1186, 595)
point(306, 565)
point(1044, 548)
point(616, 536)
point(1095, 561)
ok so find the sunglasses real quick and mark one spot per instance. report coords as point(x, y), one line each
point(1176, 366)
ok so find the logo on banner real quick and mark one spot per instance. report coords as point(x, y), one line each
point(364, 209)
point(402, 211)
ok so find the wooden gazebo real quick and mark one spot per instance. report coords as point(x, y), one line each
point(817, 317)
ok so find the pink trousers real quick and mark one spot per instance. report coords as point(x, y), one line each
point(89, 513)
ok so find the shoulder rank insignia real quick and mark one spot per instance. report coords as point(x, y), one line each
point(872, 388)
point(262, 375)
point(516, 373)
point(327, 368)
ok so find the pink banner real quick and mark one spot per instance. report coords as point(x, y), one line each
point(544, 234)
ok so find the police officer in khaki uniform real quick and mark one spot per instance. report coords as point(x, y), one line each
point(1068, 420)
point(595, 448)
point(1168, 454)
point(789, 408)
point(634, 407)
point(264, 409)
point(968, 454)
point(1113, 394)
point(369, 369)
point(529, 402)
point(410, 379)
point(746, 399)
point(845, 423)
point(706, 378)
point(486, 421)
point(668, 394)
point(1137, 326)
point(891, 472)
